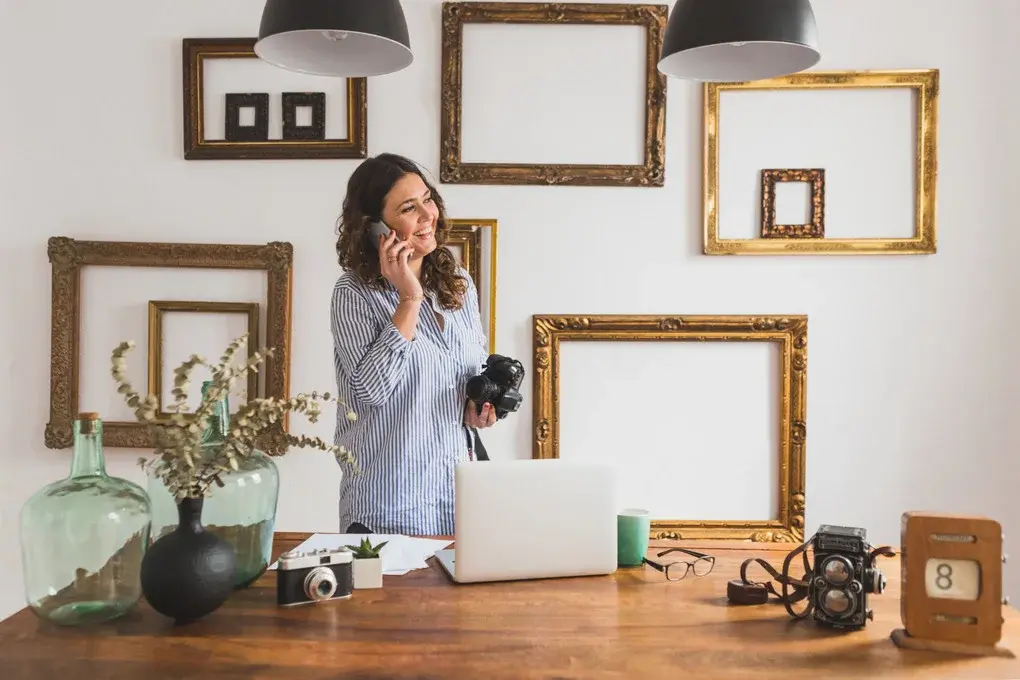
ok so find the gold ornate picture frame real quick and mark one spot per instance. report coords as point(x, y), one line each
point(302, 143)
point(815, 227)
point(789, 332)
point(467, 235)
point(651, 173)
point(68, 257)
point(157, 308)
point(925, 85)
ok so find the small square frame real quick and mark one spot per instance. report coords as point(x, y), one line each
point(196, 50)
point(816, 227)
point(317, 102)
point(468, 235)
point(789, 332)
point(68, 257)
point(651, 173)
point(233, 130)
point(925, 85)
point(157, 308)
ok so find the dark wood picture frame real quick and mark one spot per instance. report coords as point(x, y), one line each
point(813, 229)
point(68, 256)
point(290, 103)
point(651, 173)
point(258, 131)
point(196, 147)
point(158, 308)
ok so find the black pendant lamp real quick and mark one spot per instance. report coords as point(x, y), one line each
point(739, 40)
point(342, 38)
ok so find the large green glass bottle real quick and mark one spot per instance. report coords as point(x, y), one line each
point(83, 538)
point(241, 512)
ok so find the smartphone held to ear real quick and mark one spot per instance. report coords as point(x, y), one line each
point(375, 230)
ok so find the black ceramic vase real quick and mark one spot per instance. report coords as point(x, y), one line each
point(189, 572)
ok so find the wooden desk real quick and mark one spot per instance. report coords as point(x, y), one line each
point(629, 625)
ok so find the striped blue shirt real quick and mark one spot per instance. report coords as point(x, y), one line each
point(409, 399)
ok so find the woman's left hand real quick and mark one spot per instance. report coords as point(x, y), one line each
point(473, 419)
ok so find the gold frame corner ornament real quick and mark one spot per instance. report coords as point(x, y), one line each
point(789, 332)
point(68, 257)
point(925, 85)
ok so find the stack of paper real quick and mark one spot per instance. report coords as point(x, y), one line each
point(400, 555)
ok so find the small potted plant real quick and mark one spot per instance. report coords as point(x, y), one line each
point(367, 566)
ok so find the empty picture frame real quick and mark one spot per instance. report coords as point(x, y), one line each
point(255, 131)
point(453, 170)
point(788, 332)
point(253, 141)
point(157, 334)
point(815, 226)
point(923, 85)
point(68, 257)
point(474, 243)
point(315, 128)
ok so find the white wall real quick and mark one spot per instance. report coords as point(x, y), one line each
point(911, 365)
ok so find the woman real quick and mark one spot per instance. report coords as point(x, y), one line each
point(407, 337)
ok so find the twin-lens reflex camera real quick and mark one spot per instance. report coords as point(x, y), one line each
point(843, 576)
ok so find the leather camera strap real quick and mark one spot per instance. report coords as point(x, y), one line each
point(745, 591)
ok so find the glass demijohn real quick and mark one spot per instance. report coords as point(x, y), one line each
point(83, 538)
point(241, 512)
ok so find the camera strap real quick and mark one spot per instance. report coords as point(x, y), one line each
point(476, 450)
point(745, 591)
point(479, 449)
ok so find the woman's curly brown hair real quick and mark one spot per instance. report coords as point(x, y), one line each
point(366, 190)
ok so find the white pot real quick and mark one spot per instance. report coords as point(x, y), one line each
point(367, 573)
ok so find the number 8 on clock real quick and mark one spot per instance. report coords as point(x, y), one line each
point(952, 579)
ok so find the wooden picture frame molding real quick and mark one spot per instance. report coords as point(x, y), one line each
point(815, 227)
point(68, 257)
point(297, 141)
point(789, 332)
point(157, 308)
point(924, 84)
point(467, 234)
point(651, 173)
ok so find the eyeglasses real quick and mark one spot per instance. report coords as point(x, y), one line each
point(676, 571)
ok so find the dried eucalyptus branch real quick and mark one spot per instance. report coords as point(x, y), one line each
point(184, 458)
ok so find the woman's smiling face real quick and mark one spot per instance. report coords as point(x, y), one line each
point(409, 210)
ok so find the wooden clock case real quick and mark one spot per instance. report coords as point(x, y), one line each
point(938, 614)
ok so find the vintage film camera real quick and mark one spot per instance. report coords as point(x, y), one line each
point(835, 590)
point(314, 576)
point(498, 384)
point(844, 575)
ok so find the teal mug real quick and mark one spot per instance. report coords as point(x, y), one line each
point(632, 529)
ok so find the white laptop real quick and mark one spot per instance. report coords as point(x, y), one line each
point(531, 519)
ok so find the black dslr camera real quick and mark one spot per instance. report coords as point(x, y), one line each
point(315, 576)
point(498, 385)
point(843, 576)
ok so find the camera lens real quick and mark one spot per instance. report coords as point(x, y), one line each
point(320, 584)
point(837, 571)
point(837, 602)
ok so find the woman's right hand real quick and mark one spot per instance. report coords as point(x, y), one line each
point(394, 255)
